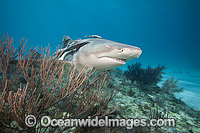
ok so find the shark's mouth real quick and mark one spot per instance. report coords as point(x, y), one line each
point(119, 60)
point(123, 61)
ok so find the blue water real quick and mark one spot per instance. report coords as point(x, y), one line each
point(168, 31)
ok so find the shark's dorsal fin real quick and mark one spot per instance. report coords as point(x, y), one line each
point(66, 41)
point(69, 48)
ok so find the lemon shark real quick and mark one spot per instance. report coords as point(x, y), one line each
point(96, 52)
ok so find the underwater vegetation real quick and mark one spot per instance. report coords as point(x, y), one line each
point(147, 79)
point(170, 86)
point(144, 78)
point(43, 87)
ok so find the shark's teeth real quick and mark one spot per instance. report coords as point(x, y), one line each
point(116, 59)
point(120, 60)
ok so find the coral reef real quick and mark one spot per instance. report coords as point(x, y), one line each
point(157, 104)
point(143, 103)
point(40, 85)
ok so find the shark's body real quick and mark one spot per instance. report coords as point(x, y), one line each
point(99, 53)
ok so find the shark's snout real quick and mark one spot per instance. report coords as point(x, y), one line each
point(138, 51)
point(130, 52)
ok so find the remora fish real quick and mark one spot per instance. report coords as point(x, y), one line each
point(96, 52)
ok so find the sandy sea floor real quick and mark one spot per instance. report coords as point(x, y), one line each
point(189, 79)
